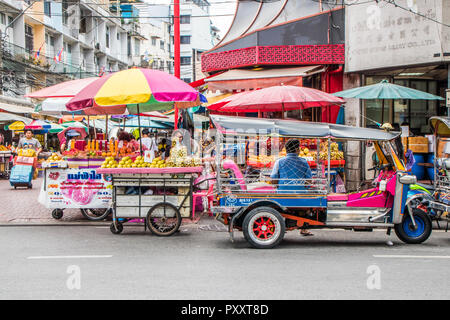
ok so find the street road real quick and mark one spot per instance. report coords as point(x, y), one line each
point(76, 262)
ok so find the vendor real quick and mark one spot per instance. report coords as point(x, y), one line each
point(28, 142)
point(70, 135)
point(149, 143)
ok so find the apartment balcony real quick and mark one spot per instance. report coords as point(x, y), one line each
point(133, 29)
point(14, 53)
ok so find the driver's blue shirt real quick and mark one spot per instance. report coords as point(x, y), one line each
point(288, 169)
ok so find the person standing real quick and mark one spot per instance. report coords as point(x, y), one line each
point(28, 142)
point(149, 143)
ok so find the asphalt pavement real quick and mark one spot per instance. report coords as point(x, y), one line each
point(200, 262)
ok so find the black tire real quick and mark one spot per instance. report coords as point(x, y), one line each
point(270, 233)
point(57, 214)
point(158, 225)
point(405, 230)
point(119, 228)
point(96, 214)
point(30, 186)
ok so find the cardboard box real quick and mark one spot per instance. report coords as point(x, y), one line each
point(416, 144)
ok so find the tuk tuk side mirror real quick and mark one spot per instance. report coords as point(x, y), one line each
point(408, 179)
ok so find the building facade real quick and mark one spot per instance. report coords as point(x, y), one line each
point(197, 35)
point(46, 42)
point(155, 27)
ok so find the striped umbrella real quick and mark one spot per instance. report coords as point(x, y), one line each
point(139, 89)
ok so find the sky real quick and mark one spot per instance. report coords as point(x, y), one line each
point(218, 7)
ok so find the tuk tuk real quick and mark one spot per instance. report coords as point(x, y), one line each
point(264, 208)
point(435, 199)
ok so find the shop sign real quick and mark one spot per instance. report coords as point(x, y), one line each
point(77, 188)
point(381, 35)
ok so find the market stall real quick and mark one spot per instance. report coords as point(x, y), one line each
point(143, 187)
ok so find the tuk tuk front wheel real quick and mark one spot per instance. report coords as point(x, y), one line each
point(406, 231)
point(263, 227)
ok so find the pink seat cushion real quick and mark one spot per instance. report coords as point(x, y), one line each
point(337, 197)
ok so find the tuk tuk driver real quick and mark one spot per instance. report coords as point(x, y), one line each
point(288, 172)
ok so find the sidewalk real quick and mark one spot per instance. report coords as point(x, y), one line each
point(21, 206)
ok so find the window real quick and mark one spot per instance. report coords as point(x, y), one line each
point(161, 44)
point(47, 8)
point(185, 39)
point(118, 36)
point(10, 20)
point(65, 15)
point(414, 112)
point(187, 80)
point(185, 19)
point(185, 61)
point(107, 36)
point(28, 38)
point(83, 25)
point(137, 47)
point(153, 41)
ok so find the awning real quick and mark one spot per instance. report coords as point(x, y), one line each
point(249, 79)
point(295, 128)
point(15, 109)
point(213, 98)
point(8, 117)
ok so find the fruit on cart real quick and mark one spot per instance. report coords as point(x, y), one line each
point(306, 153)
point(109, 162)
point(335, 154)
point(26, 152)
point(54, 158)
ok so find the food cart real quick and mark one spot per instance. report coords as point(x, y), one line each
point(5, 169)
point(264, 210)
point(161, 197)
point(81, 188)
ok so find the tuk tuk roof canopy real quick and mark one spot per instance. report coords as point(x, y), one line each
point(440, 125)
point(295, 128)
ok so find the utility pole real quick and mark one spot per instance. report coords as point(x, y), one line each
point(176, 43)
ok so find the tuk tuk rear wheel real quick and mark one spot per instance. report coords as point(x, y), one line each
point(263, 227)
point(406, 232)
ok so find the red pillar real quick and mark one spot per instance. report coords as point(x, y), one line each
point(176, 42)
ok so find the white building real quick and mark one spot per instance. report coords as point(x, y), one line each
point(55, 41)
point(155, 27)
point(197, 34)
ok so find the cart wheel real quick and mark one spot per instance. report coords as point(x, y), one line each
point(119, 228)
point(263, 227)
point(163, 219)
point(96, 214)
point(57, 214)
point(406, 232)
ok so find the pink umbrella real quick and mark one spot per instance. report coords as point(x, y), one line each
point(280, 98)
point(62, 90)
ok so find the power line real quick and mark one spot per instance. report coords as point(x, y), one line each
point(392, 2)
